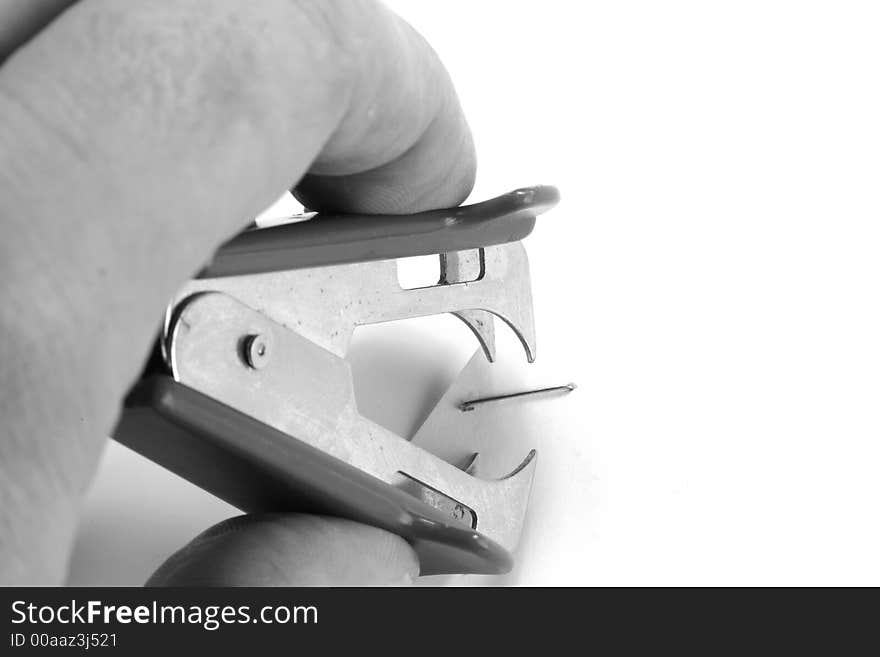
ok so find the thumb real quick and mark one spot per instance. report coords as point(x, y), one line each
point(290, 550)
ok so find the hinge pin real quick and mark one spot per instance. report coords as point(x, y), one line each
point(256, 351)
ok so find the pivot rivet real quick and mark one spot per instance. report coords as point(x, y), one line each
point(256, 351)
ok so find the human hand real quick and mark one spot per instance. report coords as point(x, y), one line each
point(134, 139)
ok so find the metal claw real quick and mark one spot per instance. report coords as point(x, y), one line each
point(465, 267)
point(326, 304)
point(306, 392)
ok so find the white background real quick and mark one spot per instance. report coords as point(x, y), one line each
point(710, 282)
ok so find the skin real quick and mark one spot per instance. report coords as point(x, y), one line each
point(134, 139)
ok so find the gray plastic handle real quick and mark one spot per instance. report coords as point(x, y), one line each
point(328, 239)
point(259, 469)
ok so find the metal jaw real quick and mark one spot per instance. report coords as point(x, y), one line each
point(326, 304)
point(265, 352)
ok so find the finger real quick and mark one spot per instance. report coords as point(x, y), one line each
point(368, 142)
point(290, 550)
point(22, 19)
point(437, 171)
point(377, 163)
point(134, 139)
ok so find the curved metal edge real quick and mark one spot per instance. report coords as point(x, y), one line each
point(480, 324)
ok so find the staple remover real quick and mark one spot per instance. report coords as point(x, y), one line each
point(249, 395)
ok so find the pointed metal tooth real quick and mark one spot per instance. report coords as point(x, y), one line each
point(483, 326)
point(510, 263)
point(465, 267)
point(469, 464)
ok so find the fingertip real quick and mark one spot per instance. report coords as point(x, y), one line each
point(404, 558)
point(438, 171)
point(389, 190)
point(291, 550)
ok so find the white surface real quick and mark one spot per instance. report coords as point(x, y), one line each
point(710, 281)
